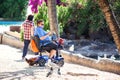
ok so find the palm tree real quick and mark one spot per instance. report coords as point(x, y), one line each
point(114, 28)
point(52, 13)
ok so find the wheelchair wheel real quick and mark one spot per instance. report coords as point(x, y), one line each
point(60, 63)
point(41, 62)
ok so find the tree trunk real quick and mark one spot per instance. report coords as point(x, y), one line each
point(114, 28)
point(52, 13)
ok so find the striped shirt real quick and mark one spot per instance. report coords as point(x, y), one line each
point(27, 25)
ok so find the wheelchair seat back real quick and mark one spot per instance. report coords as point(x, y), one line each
point(34, 44)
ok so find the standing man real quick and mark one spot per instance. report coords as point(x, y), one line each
point(27, 28)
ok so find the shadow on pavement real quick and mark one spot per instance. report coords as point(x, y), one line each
point(17, 75)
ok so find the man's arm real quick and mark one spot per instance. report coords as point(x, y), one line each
point(43, 37)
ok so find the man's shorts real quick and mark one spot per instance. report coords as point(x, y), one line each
point(50, 46)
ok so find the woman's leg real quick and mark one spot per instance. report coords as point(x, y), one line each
point(25, 48)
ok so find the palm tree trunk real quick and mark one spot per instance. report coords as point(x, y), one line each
point(52, 13)
point(114, 28)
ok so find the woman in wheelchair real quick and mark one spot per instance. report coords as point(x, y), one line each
point(45, 40)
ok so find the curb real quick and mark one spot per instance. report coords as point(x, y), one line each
point(103, 64)
point(12, 39)
point(8, 40)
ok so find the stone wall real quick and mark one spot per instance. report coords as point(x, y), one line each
point(15, 28)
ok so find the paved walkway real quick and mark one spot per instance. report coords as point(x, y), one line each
point(13, 68)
